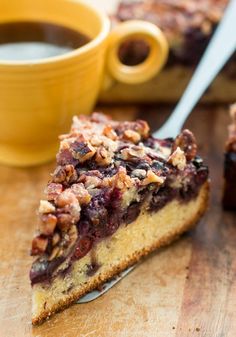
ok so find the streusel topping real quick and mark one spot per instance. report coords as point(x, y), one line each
point(97, 155)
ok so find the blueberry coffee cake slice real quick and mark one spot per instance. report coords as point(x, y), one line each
point(116, 194)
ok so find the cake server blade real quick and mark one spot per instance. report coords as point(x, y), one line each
point(106, 286)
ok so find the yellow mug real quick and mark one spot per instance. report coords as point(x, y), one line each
point(38, 98)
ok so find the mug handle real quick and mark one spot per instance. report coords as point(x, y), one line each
point(151, 65)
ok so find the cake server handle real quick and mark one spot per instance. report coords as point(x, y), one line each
point(219, 50)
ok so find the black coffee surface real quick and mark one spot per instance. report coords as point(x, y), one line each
point(34, 40)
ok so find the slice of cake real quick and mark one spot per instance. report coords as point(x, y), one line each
point(116, 194)
point(229, 198)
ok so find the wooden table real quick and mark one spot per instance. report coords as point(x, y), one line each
point(187, 289)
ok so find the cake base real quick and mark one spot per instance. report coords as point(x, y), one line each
point(114, 254)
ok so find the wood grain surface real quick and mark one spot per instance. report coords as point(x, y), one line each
point(187, 289)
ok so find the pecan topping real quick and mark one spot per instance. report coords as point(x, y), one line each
point(47, 224)
point(103, 156)
point(55, 239)
point(81, 193)
point(110, 132)
point(46, 207)
point(57, 251)
point(132, 136)
point(133, 152)
point(39, 245)
point(73, 234)
point(53, 190)
point(152, 178)
point(139, 126)
point(178, 159)
point(122, 180)
point(82, 151)
point(66, 173)
point(91, 182)
point(64, 221)
point(67, 197)
point(187, 143)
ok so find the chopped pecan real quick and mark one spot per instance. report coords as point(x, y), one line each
point(133, 152)
point(57, 251)
point(74, 210)
point(53, 190)
point(39, 245)
point(103, 156)
point(81, 193)
point(82, 150)
point(122, 180)
point(142, 128)
point(47, 224)
point(96, 140)
point(109, 132)
point(65, 157)
point(67, 197)
point(187, 143)
point(55, 239)
point(46, 207)
point(73, 234)
point(132, 136)
point(178, 159)
point(66, 173)
point(152, 178)
point(65, 221)
point(70, 209)
point(90, 181)
point(71, 174)
point(59, 175)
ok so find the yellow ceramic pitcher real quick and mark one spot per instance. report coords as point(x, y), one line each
point(38, 98)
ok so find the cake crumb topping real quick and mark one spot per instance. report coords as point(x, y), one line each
point(178, 159)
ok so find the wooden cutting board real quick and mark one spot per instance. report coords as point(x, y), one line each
point(187, 289)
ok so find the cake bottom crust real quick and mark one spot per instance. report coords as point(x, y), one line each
point(112, 255)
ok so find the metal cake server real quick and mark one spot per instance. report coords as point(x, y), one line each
point(219, 50)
